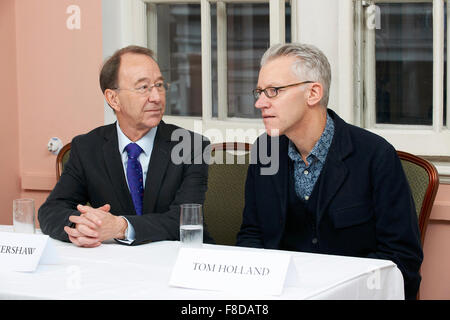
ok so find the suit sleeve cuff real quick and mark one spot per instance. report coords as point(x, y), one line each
point(130, 234)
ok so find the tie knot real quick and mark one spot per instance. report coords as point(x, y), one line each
point(133, 150)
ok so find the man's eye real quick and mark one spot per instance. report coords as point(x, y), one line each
point(159, 84)
point(142, 89)
point(271, 91)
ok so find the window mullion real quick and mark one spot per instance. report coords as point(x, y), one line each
point(358, 65)
point(438, 64)
point(222, 92)
point(277, 21)
point(205, 8)
point(369, 72)
point(294, 21)
point(152, 29)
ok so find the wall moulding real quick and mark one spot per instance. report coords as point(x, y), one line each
point(38, 181)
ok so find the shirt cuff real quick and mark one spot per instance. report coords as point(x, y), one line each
point(130, 234)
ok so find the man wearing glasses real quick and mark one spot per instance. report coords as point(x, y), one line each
point(124, 170)
point(339, 189)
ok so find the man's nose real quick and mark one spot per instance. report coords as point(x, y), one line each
point(155, 95)
point(262, 101)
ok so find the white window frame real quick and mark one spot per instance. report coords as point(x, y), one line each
point(121, 28)
point(432, 142)
point(206, 123)
point(422, 140)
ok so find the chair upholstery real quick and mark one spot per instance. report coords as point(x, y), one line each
point(423, 179)
point(224, 201)
point(61, 160)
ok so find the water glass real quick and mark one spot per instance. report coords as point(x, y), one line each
point(23, 215)
point(191, 225)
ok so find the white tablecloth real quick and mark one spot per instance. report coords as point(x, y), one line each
point(115, 271)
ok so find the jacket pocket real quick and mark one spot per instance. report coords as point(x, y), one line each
point(351, 216)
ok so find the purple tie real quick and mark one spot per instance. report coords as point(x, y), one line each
point(134, 176)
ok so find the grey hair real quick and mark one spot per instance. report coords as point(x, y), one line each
point(311, 64)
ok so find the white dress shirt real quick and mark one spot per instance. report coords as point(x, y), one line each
point(146, 143)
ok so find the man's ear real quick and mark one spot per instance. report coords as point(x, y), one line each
point(113, 99)
point(315, 94)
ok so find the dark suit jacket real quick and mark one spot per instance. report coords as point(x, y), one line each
point(94, 174)
point(365, 207)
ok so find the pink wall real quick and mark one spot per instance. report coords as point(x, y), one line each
point(436, 262)
point(9, 166)
point(52, 91)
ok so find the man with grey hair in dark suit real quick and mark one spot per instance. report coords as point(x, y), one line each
point(125, 170)
point(339, 189)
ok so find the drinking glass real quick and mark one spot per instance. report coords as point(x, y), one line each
point(23, 215)
point(191, 225)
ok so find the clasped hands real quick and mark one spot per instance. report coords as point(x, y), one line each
point(94, 226)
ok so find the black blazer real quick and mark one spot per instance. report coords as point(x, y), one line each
point(94, 174)
point(365, 207)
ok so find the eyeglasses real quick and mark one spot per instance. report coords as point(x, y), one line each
point(272, 92)
point(145, 89)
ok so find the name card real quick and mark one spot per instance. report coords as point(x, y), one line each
point(234, 270)
point(23, 252)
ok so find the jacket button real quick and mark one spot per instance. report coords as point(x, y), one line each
point(314, 240)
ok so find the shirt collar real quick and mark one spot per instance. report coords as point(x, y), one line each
point(321, 147)
point(146, 142)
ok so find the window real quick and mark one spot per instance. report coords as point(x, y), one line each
point(210, 52)
point(177, 44)
point(404, 64)
point(391, 54)
point(400, 73)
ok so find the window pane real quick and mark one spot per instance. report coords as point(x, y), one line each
point(179, 57)
point(247, 39)
point(404, 64)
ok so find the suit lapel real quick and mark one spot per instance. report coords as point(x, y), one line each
point(281, 179)
point(334, 171)
point(114, 167)
point(159, 161)
point(333, 176)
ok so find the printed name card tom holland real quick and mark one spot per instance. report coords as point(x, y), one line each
point(233, 270)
